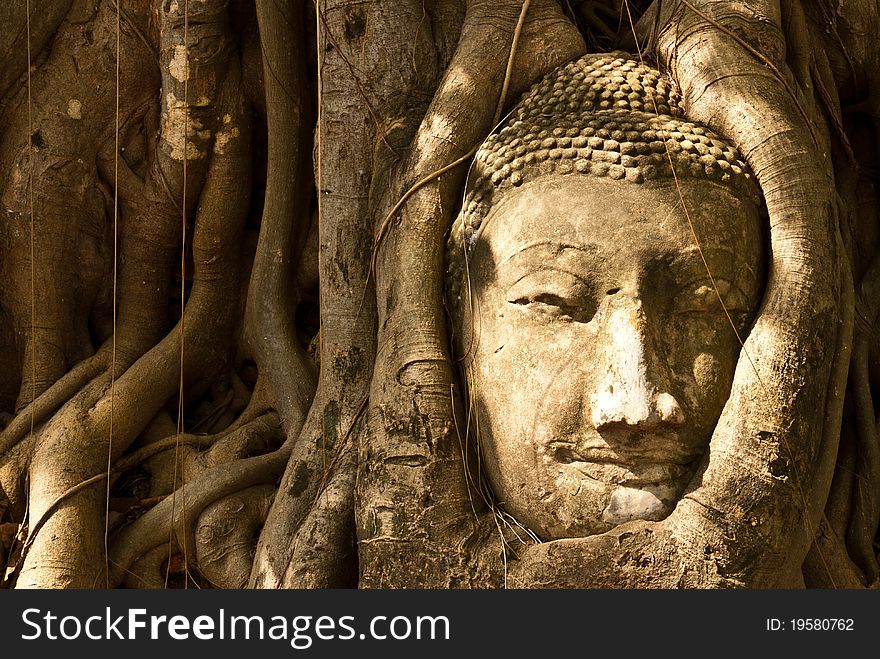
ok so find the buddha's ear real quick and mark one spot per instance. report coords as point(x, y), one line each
point(769, 469)
point(462, 324)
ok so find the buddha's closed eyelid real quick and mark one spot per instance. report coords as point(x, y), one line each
point(556, 294)
point(702, 295)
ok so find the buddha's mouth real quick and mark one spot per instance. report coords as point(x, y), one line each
point(605, 466)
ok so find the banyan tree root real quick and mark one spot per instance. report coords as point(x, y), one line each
point(258, 436)
point(226, 535)
point(150, 571)
point(74, 445)
point(196, 174)
point(347, 339)
point(178, 516)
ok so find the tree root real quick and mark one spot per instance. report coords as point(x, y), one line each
point(53, 398)
point(147, 571)
point(182, 463)
point(226, 535)
point(347, 335)
point(270, 315)
point(179, 513)
point(78, 440)
point(231, 445)
point(828, 565)
point(324, 552)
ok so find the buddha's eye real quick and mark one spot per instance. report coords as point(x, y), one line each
point(554, 306)
point(704, 297)
point(554, 296)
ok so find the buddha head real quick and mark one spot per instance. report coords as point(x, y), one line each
point(605, 266)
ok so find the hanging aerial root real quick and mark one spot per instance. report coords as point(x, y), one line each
point(271, 305)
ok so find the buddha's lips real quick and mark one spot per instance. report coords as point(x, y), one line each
point(606, 466)
point(647, 449)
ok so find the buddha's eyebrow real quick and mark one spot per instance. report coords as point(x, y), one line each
point(551, 267)
point(694, 250)
point(556, 246)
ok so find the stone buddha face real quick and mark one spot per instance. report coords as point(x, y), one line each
point(598, 352)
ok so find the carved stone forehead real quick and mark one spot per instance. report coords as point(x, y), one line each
point(600, 115)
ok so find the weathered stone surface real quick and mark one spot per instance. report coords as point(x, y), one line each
point(592, 316)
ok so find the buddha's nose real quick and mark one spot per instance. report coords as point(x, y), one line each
point(630, 393)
